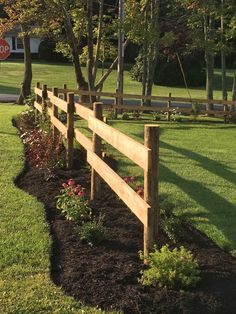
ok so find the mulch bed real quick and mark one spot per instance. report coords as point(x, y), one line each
point(106, 275)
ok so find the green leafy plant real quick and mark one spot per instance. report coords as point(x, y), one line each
point(72, 203)
point(170, 269)
point(93, 232)
point(44, 150)
point(26, 120)
point(156, 116)
point(136, 114)
point(125, 116)
point(195, 111)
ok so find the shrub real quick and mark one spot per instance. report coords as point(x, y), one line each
point(170, 269)
point(232, 119)
point(26, 120)
point(125, 116)
point(195, 111)
point(156, 117)
point(93, 232)
point(72, 203)
point(43, 150)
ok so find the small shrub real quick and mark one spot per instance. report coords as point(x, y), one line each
point(232, 119)
point(93, 232)
point(72, 203)
point(111, 115)
point(43, 150)
point(156, 117)
point(26, 120)
point(170, 269)
point(125, 116)
point(29, 101)
point(233, 253)
point(196, 109)
point(136, 114)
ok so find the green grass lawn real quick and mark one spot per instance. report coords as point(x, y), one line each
point(25, 243)
point(197, 172)
point(197, 177)
point(55, 75)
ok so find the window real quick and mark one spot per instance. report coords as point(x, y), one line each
point(13, 43)
point(19, 43)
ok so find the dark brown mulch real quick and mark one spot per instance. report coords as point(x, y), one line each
point(106, 275)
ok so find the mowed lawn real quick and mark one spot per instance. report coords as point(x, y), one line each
point(55, 75)
point(197, 174)
point(25, 242)
point(197, 177)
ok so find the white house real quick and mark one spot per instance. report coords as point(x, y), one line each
point(16, 45)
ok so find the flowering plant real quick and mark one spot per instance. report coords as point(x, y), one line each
point(72, 202)
point(43, 150)
point(132, 181)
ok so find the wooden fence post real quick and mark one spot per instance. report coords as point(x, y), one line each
point(97, 149)
point(168, 106)
point(225, 115)
point(70, 131)
point(65, 92)
point(44, 102)
point(55, 112)
point(115, 111)
point(151, 140)
point(38, 98)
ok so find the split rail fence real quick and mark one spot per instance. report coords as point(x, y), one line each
point(146, 156)
point(169, 104)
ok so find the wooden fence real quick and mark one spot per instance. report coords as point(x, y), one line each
point(145, 156)
point(224, 107)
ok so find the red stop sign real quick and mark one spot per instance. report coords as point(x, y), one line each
point(4, 49)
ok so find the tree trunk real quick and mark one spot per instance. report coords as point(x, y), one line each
point(26, 84)
point(234, 87)
point(90, 59)
point(81, 83)
point(223, 59)
point(209, 58)
point(99, 40)
point(153, 49)
point(144, 57)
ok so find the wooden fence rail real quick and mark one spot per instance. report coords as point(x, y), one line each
point(145, 156)
point(172, 103)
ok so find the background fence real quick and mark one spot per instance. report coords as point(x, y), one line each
point(167, 104)
point(145, 156)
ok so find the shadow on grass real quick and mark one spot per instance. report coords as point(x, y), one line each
point(216, 205)
point(9, 89)
point(204, 162)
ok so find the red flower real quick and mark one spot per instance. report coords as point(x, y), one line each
point(71, 182)
point(64, 185)
point(140, 193)
point(132, 179)
point(81, 193)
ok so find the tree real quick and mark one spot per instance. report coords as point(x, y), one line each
point(143, 28)
point(21, 13)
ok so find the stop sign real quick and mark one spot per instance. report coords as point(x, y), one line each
point(4, 49)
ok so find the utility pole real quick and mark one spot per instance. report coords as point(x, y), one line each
point(120, 64)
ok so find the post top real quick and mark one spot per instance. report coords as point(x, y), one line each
point(151, 125)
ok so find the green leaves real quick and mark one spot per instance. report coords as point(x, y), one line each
point(170, 269)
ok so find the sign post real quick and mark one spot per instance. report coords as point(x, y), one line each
point(4, 49)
